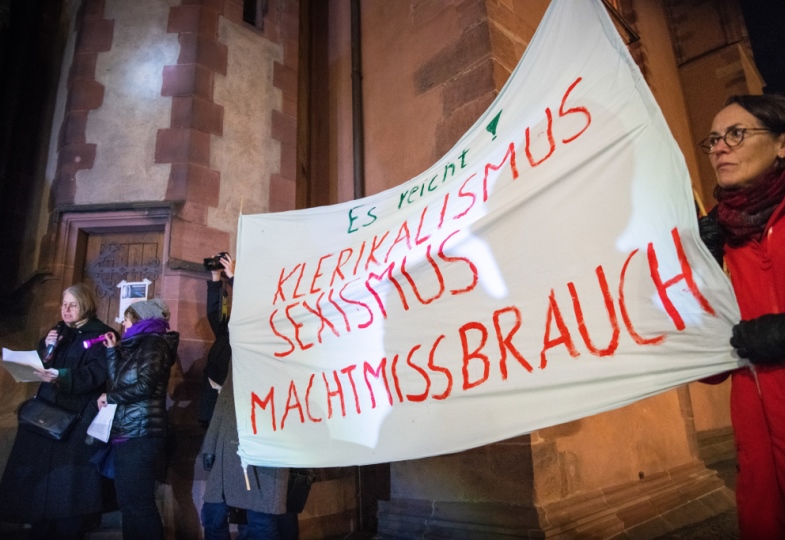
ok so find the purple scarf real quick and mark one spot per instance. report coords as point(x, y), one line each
point(147, 326)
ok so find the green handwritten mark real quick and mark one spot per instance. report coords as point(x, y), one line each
point(491, 128)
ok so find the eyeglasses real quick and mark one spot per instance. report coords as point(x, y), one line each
point(733, 137)
point(70, 307)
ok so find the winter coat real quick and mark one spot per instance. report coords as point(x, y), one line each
point(757, 271)
point(220, 353)
point(226, 481)
point(45, 479)
point(138, 377)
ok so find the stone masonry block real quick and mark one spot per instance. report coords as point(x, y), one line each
point(468, 86)
point(504, 48)
point(463, 53)
point(520, 22)
point(193, 212)
point(291, 52)
point(288, 161)
point(291, 8)
point(285, 78)
point(282, 193)
point(63, 189)
point(289, 104)
point(187, 80)
point(83, 66)
point(208, 23)
point(190, 242)
point(94, 9)
point(454, 126)
point(284, 128)
point(234, 12)
point(182, 146)
point(500, 74)
point(214, 5)
point(85, 94)
point(73, 128)
point(194, 19)
point(204, 51)
point(290, 25)
point(188, 48)
point(183, 18)
point(212, 54)
point(197, 113)
point(95, 35)
point(77, 156)
point(194, 183)
point(471, 13)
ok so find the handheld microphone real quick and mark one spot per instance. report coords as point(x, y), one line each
point(50, 349)
point(94, 341)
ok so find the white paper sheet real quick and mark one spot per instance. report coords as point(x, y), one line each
point(22, 365)
point(101, 426)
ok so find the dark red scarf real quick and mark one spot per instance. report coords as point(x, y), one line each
point(745, 211)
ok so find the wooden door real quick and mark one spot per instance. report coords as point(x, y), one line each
point(114, 257)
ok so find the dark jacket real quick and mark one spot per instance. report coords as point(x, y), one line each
point(226, 481)
point(138, 376)
point(220, 353)
point(46, 479)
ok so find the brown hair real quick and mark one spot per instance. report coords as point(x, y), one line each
point(85, 297)
point(768, 108)
point(131, 314)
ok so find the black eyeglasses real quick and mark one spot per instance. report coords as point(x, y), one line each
point(733, 137)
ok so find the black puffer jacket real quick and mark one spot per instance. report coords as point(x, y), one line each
point(138, 376)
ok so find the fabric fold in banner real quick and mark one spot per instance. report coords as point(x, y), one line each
point(542, 271)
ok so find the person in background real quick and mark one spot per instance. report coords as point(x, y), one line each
point(746, 148)
point(138, 368)
point(52, 484)
point(265, 502)
point(220, 353)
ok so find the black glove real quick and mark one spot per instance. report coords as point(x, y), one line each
point(207, 461)
point(762, 340)
point(713, 235)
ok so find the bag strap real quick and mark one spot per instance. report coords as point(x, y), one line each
point(78, 414)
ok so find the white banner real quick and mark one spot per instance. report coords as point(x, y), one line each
point(547, 268)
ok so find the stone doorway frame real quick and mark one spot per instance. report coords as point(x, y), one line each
point(66, 266)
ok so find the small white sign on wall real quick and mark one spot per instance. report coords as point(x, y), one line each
point(130, 292)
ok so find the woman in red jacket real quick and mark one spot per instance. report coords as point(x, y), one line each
point(746, 148)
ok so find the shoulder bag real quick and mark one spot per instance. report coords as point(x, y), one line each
point(46, 418)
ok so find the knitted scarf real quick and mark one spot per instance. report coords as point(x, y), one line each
point(745, 211)
point(147, 326)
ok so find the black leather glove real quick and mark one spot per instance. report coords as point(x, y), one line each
point(762, 340)
point(713, 235)
point(207, 461)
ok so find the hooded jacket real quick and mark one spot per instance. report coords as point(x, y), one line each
point(139, 370)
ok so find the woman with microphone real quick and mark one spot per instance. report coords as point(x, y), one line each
point(52, 484)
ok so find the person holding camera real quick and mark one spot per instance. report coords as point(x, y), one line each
point(265, 501)
point(220, 353)
point(49, 483)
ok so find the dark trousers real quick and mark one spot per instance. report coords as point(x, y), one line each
point(136, 462)
point(259, 526)
point(70, 528)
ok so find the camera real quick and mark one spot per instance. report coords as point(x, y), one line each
point(214, 263)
